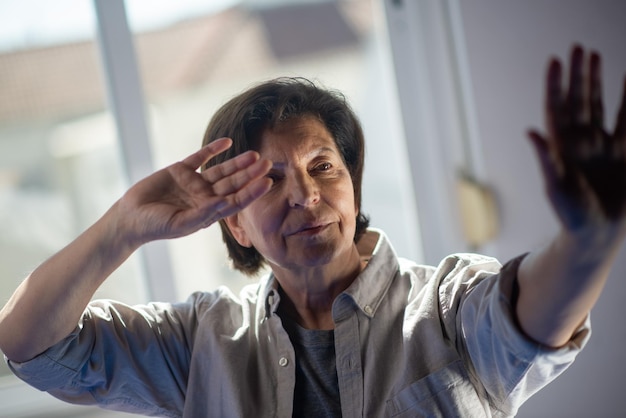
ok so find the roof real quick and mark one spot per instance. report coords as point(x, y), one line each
point(65, 81)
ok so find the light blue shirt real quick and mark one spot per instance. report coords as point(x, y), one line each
point(410, 340)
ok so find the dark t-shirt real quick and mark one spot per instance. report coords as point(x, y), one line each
point(317, 387)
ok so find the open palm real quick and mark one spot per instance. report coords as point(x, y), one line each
point(584, 164)
point(178, 200)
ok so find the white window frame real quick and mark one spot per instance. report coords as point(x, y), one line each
point(438, 115)
point(126, 102)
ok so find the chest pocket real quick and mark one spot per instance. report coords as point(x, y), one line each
point(446, 393)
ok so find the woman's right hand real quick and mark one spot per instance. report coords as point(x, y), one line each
point(178, 200)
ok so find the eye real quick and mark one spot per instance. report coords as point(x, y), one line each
point(325, 166)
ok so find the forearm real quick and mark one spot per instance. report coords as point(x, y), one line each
point(47, 305)
point(560, 283)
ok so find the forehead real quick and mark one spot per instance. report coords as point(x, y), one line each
point(302, 135)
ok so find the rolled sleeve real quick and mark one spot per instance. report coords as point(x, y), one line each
point(134, 359)
point(510, 366)
point(44, 372)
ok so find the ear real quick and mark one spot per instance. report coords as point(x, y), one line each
point(237, 231)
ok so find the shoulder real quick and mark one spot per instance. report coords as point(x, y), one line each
point(460, 268)
point(223, 302)
point(466, 268)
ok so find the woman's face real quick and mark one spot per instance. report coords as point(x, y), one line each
point(308, 218)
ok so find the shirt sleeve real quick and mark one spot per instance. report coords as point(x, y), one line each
point(506, 364)
point(132, 359)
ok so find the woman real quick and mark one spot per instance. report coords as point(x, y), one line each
point(341, 326)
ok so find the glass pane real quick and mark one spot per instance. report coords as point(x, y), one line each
point(191, 65)
point(60, 166)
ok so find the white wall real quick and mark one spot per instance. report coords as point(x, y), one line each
point(508, 44)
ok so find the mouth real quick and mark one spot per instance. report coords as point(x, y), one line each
point(310, 229)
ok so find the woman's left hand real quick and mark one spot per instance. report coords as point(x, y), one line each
point(583, 163)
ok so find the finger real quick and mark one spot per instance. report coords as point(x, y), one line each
point(200, 157)
point(620, 126)
point(595, 92)
point(244, 197)
point(575, 94)
point(235, 202)
point(550, 168)
point(554, 99)
point(228, 167)
point(236, 181)
point(216, 208)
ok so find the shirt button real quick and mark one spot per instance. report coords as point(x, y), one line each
point(283, 361)
point(368, 309)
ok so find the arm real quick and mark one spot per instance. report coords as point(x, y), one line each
point(584, 168)
point(172, 202)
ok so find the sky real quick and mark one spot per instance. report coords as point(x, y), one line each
point(29, 23)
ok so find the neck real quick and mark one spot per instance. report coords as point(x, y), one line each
point(307, 296)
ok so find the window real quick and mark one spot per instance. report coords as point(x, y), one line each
point(61, 165)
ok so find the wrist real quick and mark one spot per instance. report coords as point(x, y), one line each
point(117, 231)
point(592, 242)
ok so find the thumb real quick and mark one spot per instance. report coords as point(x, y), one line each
point(550, 167)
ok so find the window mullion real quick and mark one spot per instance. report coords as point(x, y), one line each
point(125, 98)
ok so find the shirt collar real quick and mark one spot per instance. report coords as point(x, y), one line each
point(269, 294)
point(367, 290)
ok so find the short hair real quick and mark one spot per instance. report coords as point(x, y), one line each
point(246, 116)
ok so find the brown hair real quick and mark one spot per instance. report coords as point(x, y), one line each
point(246, 116)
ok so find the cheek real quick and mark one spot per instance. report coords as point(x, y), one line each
point(263, 218)
point(346, 203)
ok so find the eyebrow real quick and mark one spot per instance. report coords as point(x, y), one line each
point(311, 154)
point(322, 150)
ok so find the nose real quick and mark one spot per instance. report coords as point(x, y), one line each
point(303, 191)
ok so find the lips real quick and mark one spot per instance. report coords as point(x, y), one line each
point(309, 228)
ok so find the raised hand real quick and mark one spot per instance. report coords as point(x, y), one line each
point(178, 200)
point(583, 163)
